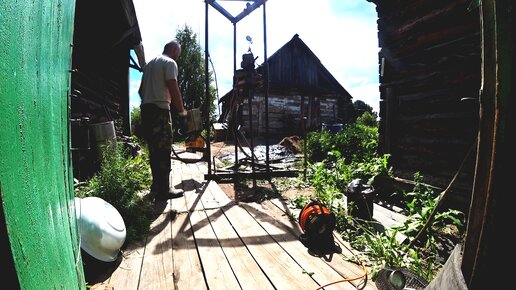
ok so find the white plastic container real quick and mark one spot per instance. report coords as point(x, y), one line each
point(101, 228)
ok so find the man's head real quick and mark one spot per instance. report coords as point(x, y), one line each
point(172, 49)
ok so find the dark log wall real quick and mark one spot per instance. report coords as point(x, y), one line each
point(104, 34)
point(286, 113)
point(429, 66)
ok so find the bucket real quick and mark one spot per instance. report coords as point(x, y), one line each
point(332, 127)
point(80, 134)
point(103, 134)
point(194, 122)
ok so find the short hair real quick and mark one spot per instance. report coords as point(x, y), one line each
point(171, 45)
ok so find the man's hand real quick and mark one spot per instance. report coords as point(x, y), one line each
point(183, 122)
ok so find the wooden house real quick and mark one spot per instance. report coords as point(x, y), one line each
point(104, 34)
point(299, 86)
point(429, 66)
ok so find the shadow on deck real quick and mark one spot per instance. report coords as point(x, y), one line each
point(206, 240)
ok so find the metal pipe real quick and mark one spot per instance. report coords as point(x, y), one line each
point(235, 92)
point(207, 89)
point(248, 86)
point(303, 119)
point(266, 89)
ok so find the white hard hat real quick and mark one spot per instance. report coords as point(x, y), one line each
point(101, 228)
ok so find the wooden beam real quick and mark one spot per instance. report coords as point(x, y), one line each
point(486, 241)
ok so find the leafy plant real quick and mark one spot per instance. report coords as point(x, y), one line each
point(367, 119)
point(355, 142)
point(422, 201)
point(119, 181)
point(337, 159)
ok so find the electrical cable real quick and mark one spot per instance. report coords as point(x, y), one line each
point(364, 274)
point(190, 160)
point(215, 79)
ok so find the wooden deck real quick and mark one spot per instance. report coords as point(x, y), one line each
point(208, 241)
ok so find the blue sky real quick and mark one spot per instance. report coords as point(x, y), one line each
point(342, 33)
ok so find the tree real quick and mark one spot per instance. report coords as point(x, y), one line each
point(191, 73)
point(361, 107)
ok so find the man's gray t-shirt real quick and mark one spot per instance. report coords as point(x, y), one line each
point(156, 73)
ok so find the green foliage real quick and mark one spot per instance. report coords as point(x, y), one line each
point(136, 116)
point(330, 178)
point(421, 203)
point(191, 73)
point(337, 159)
point(384, 249)
point(136, 125)
point(119, 180)
point(300, 201)
point(355, 143)
point(360, 107)
point(367, 119)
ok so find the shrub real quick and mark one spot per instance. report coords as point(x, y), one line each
point(367, 119)
point(119, 181)
point(355, 142)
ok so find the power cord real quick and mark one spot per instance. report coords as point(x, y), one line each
point(364, 273)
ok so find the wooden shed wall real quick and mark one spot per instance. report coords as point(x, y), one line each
point(429, 84)
point(104, 34)
point(294, 67)
point(286, 113)
point(294, 73)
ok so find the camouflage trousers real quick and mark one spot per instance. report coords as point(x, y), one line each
point(157, 130)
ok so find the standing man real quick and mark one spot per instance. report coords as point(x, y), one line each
point(159, 90)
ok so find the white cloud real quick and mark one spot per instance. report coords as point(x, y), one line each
point(342, 35)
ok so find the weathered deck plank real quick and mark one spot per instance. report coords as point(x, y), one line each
point(318, 269)
point(244, 266)
point(338, 262)
point(217, 270)
point(188, 273)
point(205, 240)
point(127, 274)
point(158, 271)
point(279, 267)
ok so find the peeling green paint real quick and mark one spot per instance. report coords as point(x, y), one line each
point(35, 164)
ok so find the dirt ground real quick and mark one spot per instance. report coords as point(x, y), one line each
point(259, 193)
point(292, 143)
point(263, 189)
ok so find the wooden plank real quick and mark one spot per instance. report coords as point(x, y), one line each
point(178, 205)
point(245, 268)
point(188, 273)
point(242, 252)
point(194, 189)
point(283, 234)
point(217, 270)
point(198, 195)
point(157, 272)
point(214, 189)
point(280, 268)
point(340, 265)
point(127, 274)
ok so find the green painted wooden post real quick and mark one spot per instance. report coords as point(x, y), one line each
point(36, 183)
